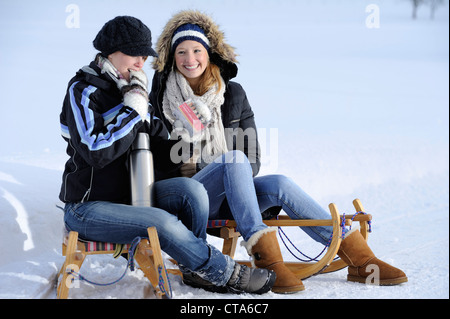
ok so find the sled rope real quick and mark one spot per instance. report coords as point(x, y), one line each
point(284, 237)
point(368, 222)
point(161, 283)
point(309, 259)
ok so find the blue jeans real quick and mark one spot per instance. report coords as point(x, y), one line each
point(282, 191)
point(187, 202)
point(230, 176)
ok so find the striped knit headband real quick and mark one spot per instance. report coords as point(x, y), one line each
point(189, 32)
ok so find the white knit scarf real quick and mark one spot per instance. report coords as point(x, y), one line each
point(107, 67)
point(212, 138)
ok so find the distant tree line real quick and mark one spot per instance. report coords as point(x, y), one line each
point(433, 4)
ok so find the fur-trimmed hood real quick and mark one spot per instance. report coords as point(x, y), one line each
point(221, 53)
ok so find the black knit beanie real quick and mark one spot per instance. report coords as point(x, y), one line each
point(127, 35)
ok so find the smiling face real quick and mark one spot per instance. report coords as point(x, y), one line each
point(123, 63)
point(191, 59)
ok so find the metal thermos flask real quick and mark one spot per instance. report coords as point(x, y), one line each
point(141, 171)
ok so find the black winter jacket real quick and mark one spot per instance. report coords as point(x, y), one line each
point(99, 131)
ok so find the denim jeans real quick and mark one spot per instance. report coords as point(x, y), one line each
point(279, 190)
point(187, 202)
point(230, 176)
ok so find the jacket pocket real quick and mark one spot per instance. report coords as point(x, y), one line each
point(234, 123)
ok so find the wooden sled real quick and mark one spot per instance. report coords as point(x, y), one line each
point(148, 256)
point(304, 269)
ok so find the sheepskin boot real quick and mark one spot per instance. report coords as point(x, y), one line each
point(363, 266)
point(265, 251)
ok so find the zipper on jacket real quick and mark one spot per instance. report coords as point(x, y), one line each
point(158, 94)
point(88, 192)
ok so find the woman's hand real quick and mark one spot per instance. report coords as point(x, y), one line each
point(135, 93)
point(189, 169)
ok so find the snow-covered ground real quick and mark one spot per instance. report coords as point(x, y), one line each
point(353, 112)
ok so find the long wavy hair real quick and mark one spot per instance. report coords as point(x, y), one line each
point(208, 79)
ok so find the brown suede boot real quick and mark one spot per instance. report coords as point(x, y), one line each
point(363, 266)
point(265, 251)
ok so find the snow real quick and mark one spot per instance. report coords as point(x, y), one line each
point(347, 111)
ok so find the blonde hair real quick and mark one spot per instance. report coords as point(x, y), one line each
point(208, 79)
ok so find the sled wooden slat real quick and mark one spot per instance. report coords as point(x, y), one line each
point(287, 221)
point(148, 256)
point(306, 269)
point(153, 266)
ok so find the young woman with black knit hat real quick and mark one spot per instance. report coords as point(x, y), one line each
point(193, 93)
point(105, 107)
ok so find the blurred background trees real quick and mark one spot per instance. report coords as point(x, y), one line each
point(432, 4)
